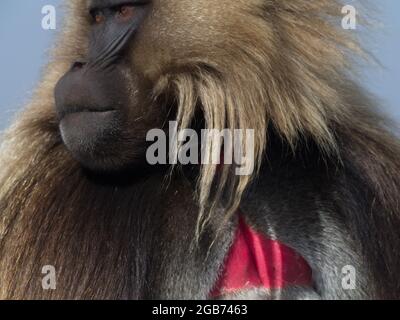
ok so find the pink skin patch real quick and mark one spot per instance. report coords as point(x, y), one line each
point(254, 261)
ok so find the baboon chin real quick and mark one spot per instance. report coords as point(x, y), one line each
point(323, 195)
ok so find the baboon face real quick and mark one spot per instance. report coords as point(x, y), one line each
point(107, 102)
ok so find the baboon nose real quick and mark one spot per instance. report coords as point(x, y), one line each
point(85, 89)
point(78, 65)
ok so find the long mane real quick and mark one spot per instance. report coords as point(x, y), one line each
point(289, 69)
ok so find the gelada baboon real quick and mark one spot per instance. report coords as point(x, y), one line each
point(76, 191)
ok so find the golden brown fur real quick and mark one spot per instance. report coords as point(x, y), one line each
point(249, 64)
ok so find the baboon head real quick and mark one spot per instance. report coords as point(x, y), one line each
point(133, 53)
point(244, 64)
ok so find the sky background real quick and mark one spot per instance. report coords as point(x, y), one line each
point(24, 47)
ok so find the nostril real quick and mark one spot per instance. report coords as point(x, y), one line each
point(77, 66)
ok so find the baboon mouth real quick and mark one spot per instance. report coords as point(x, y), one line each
point(89, 123)
point(84, 111)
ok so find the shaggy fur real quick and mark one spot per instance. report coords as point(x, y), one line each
point(281, 68)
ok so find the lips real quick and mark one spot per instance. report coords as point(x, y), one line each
point(89, 123)
point(68, 111)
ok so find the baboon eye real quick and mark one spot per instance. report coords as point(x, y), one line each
point(97, 16)
point(125, 12)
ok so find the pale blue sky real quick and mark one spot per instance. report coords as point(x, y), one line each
point(24, 45)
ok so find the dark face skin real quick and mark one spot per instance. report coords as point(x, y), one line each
point(102, 104)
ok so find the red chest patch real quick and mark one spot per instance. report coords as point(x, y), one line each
point(254, 261)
